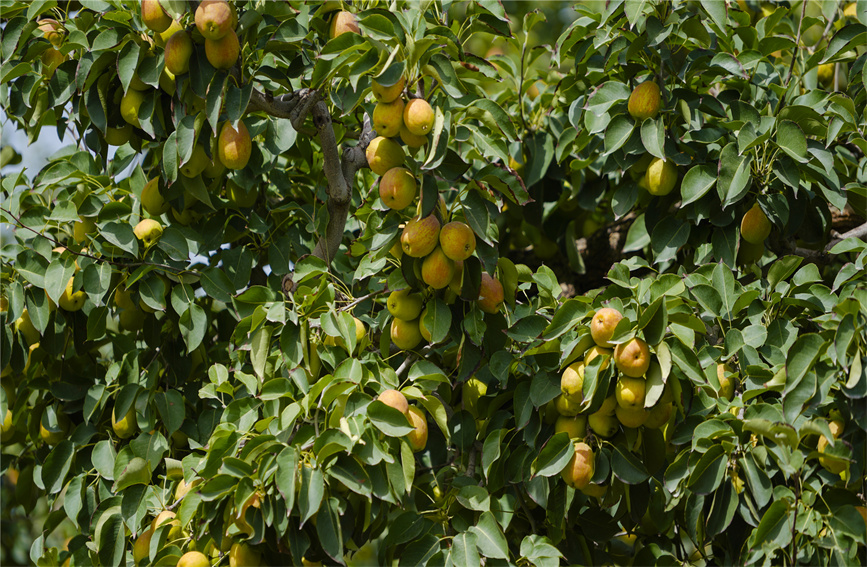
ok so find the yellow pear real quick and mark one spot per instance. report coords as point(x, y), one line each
point(152, 200)
point(344, 22)
point(383, 154)
point(223, 53)
point(197, 163)
point(437, 270)
point(397, 188)
point(154, 16)
point(575, 426)
point(579, 471)
point(418, 116)
point(179, 49)
point(388, 94)
point(458, 241)
point(71, 300)
point(234, 146)
point(406, 335)
point(644, 101)
point(659, 415)
point(417, 437)
point(572, 382)
point(126, 427)
point(602, 325)
point(395, 399)
point(420, 236)
point(141, 547)
point(130, 105)
point(214, 18)
point(388, 118)
point(403, 304)
point(632, 357)
point(660, 177)
point(755, 225)
point(491, 294)
point(631, 417)
point(148, 231)
point(410, 139)
point(630, 392)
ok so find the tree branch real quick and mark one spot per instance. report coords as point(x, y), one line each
point(857, 232)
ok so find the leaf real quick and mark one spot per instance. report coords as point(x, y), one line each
point(734, 175)
point(791, 140)
point(619, 130)
point(193, 324)
point(329, 531)
point(667, 238)
point(474, 497)
point(708, 473)
point(312, 491)
point(172, 409)
point(627, 467)
point(775, 529)
point(463, 552)
point(716, 9)
point(136, 471)
point(554, 456)
point(490, 538)
point(801, 358)
point(57, 465)
point(696, 183)
point(437, 319)
point(653, 137)
point(387, 419)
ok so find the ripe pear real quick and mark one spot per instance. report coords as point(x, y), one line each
point(491, 294)
point(388, 118)
point(659, 415)
point(51, 58)
point(566, 407)
point(602, 326)
point(52, 434)
point(593, 352)
point(755, 225)
point(152, 200)
point(397, 188)
point(125, 427)
point(456, 285)
point(24, 326)
point(118, 136)
point(420, 236)
point(240, 196)
point(197, 163)
point(575, 426)
point(388, 94)
point(660, 177)
point(195, 559)
point(132, 320)
point(243, 555)
point(829, 463)
point(417, 437)
point(179, 49)
point(579, 471)
point(602, 424)
point(182, 489)
point(383, 154)
point(130, 105)
point(167, 517)
point(630, 392)
point(472, 391)
point(572, 382)
point(82, 228)
point(71, 300)
point(234, 145)
point(405, 334)
point(644, 101)
point(224, 52)
point(52, 30)
point(403, 304)
point(395, 399)
point(141, 547)
point(410, 139)
point(631, 417)
point(632, 358)
point(418, 117)
point(437, 270)
point(726, 376)
point(425, 332)
point(344, 22)
point(161, 38)
point(457, 240)
point(214, 19)
point(148, 231)
point(154, 17)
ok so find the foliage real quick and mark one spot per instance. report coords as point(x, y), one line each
point(232, 341)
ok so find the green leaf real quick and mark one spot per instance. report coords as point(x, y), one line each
point(791, 140)
point(193, 324)
point(697, 182)
point(618, 132)
point(474, 497)
point(775, 529)
point(653, 137)
point(502, 120)
point(627, 467)
point(716, 9)
point(802, 357)
point(312, 491)
point(136, 471)
point(463, 552)
point(328, 529)
point(708, 473)
point(387, 419)
point(490, 538)
point(734, 175)
point(554, 456)
point(57, 465)
point(172, 409)
point(121, 235)
point(437, 319)
point(667, 238)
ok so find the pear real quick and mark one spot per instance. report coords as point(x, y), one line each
point(148, 231)
point(344, 22)
point(234, 145)
point(418, 117)
point(214, 19)
point(437, 270)
point(403, 304)
point(154, 16)
point(491, 294)
point(420, 236)
point(224, 52)
point(383, 154)
point(179, 49)
point(389, 93)
point(457, 240)
point(397, 188)
point(388, 118)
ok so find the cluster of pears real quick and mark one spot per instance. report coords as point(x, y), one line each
point(417, 438)
point(658, 176)
point(625, 407)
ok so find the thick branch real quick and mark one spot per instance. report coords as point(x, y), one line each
point(857, 232)
point(339, 175)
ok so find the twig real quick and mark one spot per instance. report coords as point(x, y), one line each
point(363, 298)
point(792, 64)
point(127, 264)
point(857, 232)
